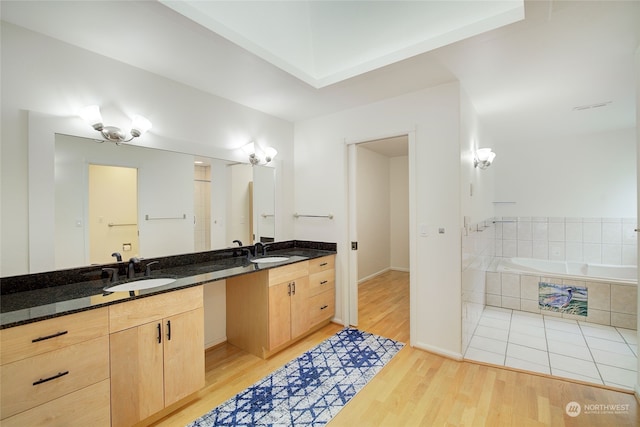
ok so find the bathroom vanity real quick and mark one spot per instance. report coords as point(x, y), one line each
point(267, 311)
point(72, 354)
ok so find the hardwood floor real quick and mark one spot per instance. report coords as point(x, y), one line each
point(418, 388)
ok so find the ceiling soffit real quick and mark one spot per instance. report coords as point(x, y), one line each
point(324, 42)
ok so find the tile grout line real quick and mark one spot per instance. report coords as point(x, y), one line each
point(546, 341)
point(506, 348)
point(591, 353)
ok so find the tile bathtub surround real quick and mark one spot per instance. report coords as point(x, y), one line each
point(608, 303)
point(478, 250)
point(592, 240)
point(564, 348)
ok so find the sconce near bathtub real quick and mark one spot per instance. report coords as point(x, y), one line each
point(139, 125)
point(483, 158)
point(258, 155)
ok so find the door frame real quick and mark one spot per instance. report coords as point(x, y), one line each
point(350, 293)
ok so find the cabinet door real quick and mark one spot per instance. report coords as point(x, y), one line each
point(279, 314)
point(299, 308)
point(183, 355)
point(136, 373)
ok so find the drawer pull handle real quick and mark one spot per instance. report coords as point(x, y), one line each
point(159, 333)
point(60, 374)
point(168, 330)
point(323, 307)
point(48, 337)
point(323, 264)
point(293, 289)
point(324, 282)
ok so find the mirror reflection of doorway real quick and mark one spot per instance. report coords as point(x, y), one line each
point(113, 213)
point(202, 207)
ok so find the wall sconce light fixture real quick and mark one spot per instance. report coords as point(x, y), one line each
point(483, 158)
point(258, 155)
point(139, 125)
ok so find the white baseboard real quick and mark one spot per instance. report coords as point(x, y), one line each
point(385, 270)
point(439, 351)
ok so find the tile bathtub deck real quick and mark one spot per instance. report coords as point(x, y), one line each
point(572, 349)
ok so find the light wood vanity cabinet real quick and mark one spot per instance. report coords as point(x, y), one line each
point(156, 352)
point(56, 372)
point(269, 309)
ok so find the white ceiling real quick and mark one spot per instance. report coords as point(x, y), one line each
point(522, 78)
point(324, 42)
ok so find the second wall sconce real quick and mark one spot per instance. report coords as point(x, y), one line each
point(258, 155)
point(483, 158)
point(139, 125)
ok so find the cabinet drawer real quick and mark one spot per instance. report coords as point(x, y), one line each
point(36, 338)
point(138, 312)
point(320, 264)
point(288, 272)
point(86, 407)
point(321, 307)
point(31, 382)
point(321, 282)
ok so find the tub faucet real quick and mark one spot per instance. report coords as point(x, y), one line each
point(131, 271)
point(118, 256)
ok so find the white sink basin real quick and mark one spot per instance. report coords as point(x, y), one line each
point(270, 259)
point(139, 284)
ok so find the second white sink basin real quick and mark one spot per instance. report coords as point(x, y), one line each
point(270, 259)
point(140, 284)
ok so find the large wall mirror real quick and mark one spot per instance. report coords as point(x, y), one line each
point(138, 201)
point(180, 203)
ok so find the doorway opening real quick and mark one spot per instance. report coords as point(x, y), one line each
point(113, 213)
point(379, 217)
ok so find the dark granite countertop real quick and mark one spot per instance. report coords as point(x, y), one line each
point(34, 297)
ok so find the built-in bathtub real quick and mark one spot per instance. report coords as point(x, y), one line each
point(611, 289)
point(600, 272)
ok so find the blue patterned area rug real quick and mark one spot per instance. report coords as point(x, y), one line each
point(309, 390)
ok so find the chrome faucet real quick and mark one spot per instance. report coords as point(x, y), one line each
point(259, 246)
point(114, 274)
point(131, 271)
point(147, 270)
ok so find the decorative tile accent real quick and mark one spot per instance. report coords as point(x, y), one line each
point(309, 390)
point(565, 299)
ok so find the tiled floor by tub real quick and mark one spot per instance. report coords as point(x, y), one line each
point(560, 347)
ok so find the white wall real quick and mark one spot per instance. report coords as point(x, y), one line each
point(583, 176)
point(44, 75)
point(399, 216)
point(476, 197)
point(432, 118)
point(373, 212)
